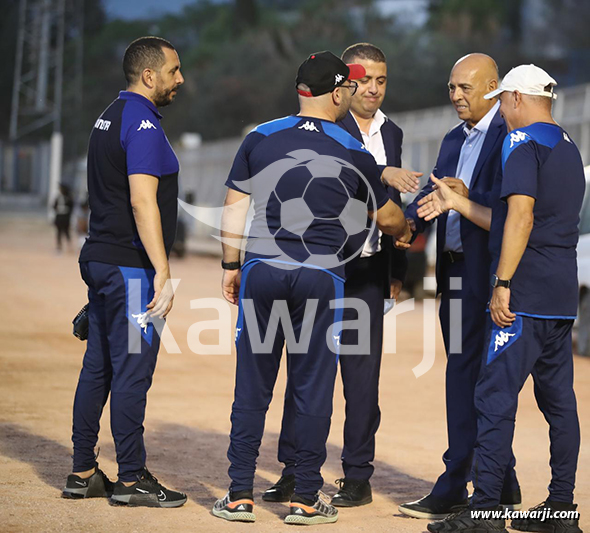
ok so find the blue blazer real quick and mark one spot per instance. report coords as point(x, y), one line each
point(392, 141)
point(474, 239)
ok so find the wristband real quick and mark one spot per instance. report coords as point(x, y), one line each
point(233, 265)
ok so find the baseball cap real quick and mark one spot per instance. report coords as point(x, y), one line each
point(322, 72)
point(526, 79)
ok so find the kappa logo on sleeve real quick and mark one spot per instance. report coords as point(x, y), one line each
point(516, 137)
point(146, 125)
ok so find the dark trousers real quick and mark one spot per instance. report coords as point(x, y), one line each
point(115, 294)
point(360, 377)
point(461, 376)
point(311, 373)
point(543, 348)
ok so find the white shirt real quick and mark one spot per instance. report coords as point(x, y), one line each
point(474, 139)
point(373, 142)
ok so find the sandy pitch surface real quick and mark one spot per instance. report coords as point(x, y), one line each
point(187, 421)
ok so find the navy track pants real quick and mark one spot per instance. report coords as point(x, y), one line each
point(120, 359)
point(543, 348)
point(311, 371)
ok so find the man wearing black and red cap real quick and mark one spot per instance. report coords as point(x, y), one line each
point(295, 265)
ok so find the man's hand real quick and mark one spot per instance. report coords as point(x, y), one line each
point(457, 186)
point(395, 287)
point(441, 200)
point(230, 285)
point(163, 299)
point(499, 307)
point(401, 179)
point(403, 242)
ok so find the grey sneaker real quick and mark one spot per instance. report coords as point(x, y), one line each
point(309, 513)
point(235, 506)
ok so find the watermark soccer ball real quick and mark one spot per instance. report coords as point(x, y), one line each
point(301, 217)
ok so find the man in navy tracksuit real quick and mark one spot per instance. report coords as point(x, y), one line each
point(133, 190)
point(470, 153)
point(533, 238)
point(377, 274)
point(294, 272)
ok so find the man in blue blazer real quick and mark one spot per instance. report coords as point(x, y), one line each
point(376, 275)
point(471, 153)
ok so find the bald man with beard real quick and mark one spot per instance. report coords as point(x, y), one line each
point(468, 161)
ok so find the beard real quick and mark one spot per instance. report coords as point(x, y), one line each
point(164, 97)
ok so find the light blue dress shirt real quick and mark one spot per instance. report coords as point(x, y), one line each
point(474, 139)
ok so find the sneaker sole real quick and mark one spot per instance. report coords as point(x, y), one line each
point(234, 517)
point(348, 503)
point(144, 500)
point(74, 494)
point(80, 494)
point(423, 514)
point(310, 520)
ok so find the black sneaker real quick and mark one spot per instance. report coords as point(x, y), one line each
point(511, 501)
point(463, 521)
point(281, 491)
point(431, 507)
point(352, 493)
point(309, 513)
point(236, 506)
point(98, 485)
point(539, 521)
point(146, 492)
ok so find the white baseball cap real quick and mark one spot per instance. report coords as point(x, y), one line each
point(526, 79)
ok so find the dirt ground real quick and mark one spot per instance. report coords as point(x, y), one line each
point(187, 421)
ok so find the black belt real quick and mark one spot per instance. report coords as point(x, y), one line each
point(454, 257)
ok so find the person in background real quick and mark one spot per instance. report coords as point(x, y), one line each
point(63, 207)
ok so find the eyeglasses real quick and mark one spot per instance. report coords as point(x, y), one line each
point(353, 86)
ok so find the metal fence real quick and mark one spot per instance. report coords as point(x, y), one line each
point(204, 170)
point(424, 129)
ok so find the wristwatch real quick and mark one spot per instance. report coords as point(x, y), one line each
point(233, 265)
point(497, 282)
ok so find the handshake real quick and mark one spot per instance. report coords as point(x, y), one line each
point(446, 194)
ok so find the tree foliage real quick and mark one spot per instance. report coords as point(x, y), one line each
point(240, 57)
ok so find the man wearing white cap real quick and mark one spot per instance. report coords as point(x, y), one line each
point(533, 238)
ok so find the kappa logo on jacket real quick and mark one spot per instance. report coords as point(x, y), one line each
point(516, 137)
point(309, 126)
point(146, 125)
